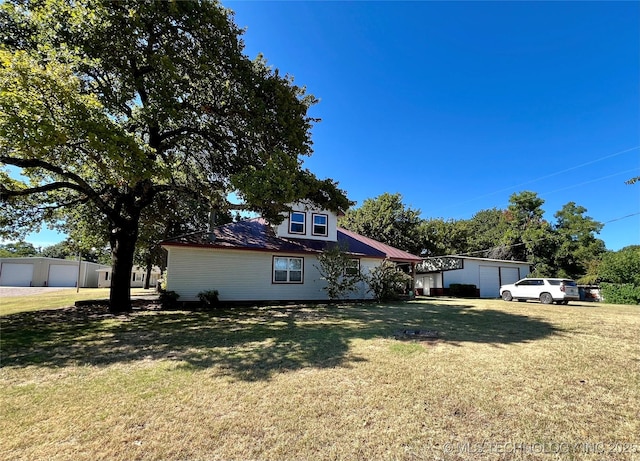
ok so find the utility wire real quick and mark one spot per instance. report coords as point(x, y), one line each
point(470, 253)
point(557, 173)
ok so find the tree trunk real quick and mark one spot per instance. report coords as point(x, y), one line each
point(148, 276)
point(123, 244)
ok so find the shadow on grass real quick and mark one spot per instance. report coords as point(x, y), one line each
point(249, 344)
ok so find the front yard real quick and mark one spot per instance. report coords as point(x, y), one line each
point(498, 381)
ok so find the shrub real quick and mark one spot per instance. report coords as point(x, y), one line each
point(462, 290)
point(387, 281)
point(620, 293)
point(168, 299)
point(209, 299)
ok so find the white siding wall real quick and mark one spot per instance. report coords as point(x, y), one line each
point(244, 275)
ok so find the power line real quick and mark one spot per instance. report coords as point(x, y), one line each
point(557, 173)
point(471, 253)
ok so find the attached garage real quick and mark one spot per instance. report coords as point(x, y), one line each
point(63, 275)
point(486, 274)
point(16, 274)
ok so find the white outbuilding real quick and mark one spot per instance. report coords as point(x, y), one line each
point(435, 275)
point(48, 272)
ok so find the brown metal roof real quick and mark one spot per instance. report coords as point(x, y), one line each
point(257, 235)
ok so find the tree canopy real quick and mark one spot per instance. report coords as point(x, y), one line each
point(114, 106)
point(386, 219)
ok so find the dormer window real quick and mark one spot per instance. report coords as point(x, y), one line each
point(320, 224)
point(297, 223)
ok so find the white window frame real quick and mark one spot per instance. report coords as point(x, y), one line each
point(356, 266)
point(288, 271)
point(303, 223)
point(325, 225)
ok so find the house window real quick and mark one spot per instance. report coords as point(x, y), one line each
point(320, 224)
point(296, 223)
point(353, 267)
point(287, 270)
point(106, 276)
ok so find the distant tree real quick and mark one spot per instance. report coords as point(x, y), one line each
point(17, 250)
point(115, 105)
point(619, 274)
point(486, 230)
point(386, 219)
point(440, 237)
point(621, 266)
point(61, 250)
point(577, 245)
point(528, 236)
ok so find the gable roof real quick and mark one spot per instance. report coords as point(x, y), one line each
point(257, 235)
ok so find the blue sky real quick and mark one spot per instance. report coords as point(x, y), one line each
point(457, 105)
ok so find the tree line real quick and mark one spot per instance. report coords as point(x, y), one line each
point(568, 246)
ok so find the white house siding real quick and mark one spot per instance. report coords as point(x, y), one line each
point(242, 275)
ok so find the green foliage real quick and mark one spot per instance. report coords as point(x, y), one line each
point(17, 250)
point(338, 270)
point(462, 290)
point(386, 219)
point(110, 107)
point(620, 293)
point(622, 266)
point(168, 299)
point(577, 245)
point(387, 281)
point(209, 299)
point(441, 237)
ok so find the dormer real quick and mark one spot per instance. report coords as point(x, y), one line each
point(305, 221)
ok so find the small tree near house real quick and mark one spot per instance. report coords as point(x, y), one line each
point(387, 281)
point(340, 271)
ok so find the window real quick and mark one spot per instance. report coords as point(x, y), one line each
point(106, 276)
point(296, 223)
point(353, 267)
point(287, 270)
point(320, 224)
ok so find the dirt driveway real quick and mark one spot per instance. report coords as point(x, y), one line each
point(8, 292)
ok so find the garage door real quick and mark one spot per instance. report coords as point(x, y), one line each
point(509, 275)
point(62, 275)
point(16, 275)
point(489, 282)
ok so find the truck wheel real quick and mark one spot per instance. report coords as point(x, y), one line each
point(546, 298)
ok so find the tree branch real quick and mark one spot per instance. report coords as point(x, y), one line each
point(78, 183)
point(6, 193)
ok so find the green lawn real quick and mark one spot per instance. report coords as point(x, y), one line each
point(56, 299)
point(501, 381)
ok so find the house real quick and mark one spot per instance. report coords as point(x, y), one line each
point(254, 261)
point(138, 277)
point(435, 275)
point(51, 272)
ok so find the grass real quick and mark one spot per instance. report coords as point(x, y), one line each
point(501, 381)
point(57, 299)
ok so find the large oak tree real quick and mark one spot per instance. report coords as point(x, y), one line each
point(116, 104)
